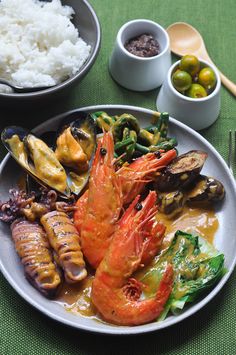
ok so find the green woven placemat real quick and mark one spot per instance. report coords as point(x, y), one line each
point(23, 330)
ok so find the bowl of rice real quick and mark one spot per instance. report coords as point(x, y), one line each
point(46, 43)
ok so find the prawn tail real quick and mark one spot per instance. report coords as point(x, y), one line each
point(155, 232)
point(165, 287)
point(80, 212)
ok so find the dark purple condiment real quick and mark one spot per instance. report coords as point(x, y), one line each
point(144, 45)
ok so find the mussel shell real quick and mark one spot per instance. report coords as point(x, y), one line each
point(70, 119)
point(22, 133)
point(77, 121)
point(49, 138)
point(80, 122)
point(9, 131)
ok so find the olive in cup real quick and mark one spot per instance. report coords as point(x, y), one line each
point(193, 80)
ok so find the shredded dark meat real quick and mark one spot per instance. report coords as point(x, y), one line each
point(11, 209)
point(32, 206)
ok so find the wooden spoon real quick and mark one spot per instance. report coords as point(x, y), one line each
point(185, 39)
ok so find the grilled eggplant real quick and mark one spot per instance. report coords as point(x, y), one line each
point(206, 189)
point(33, 248)
point(171, 202)
point(64, 239)
point(182, 171)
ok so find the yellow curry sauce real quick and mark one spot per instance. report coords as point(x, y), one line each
point(18, 149)
point(46, 166)
point(201, 220)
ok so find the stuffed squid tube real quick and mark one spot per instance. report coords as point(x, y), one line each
point(64, 239)
point(33, 248)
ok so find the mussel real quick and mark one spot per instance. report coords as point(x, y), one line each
point(66, 169)
point(36, 158)
point(75, 147)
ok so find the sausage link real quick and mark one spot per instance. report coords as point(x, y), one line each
point(64, 239)
point(34, 250)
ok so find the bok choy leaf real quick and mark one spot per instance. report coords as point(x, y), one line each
point(197, 267)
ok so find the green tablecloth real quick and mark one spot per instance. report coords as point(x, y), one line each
point(24, 330)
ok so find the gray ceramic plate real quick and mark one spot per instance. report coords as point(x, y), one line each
point(225, 239)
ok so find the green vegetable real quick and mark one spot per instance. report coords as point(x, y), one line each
point(119, 146)
point(141, 148)
point(168, 144)
point(131, 147)
point(125, 120)
point(162, 124)
point(145, 137)
point(103, 120)
point(130, 139)
point(197, 267)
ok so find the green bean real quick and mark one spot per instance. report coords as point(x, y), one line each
point(166, 145)
point(141, 148)
point(123, 121)
point(156, 137)
point(145, 137)
point(95, 115)
point(126, 133)
point(131, 147)
point(163, 124)
point(103, 120)
point(119, 146)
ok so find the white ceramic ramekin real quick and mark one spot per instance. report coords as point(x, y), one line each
point(138, 73)
point(195, 113)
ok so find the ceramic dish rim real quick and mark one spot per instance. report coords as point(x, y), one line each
point(150, 327)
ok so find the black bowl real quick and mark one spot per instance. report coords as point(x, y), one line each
point(85, 19)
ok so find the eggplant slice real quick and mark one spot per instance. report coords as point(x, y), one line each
point(206, 189)
point(172, 202)
point(182, 171)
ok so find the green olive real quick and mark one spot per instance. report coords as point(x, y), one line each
point(196, 91)
point(207, 78)
point(190, 64)
point(181, 80)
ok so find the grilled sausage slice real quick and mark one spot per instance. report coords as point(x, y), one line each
point(64, 239)
point(33, 248)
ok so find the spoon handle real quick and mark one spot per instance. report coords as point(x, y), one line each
point(228, 83)
point(225, 81)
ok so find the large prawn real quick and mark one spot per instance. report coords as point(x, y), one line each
point(117, 296)
point(141, 171)
point(134, 177)
point(104, 203)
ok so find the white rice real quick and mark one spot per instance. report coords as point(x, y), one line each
point(39, 45)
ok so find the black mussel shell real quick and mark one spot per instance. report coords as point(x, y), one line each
point(22, 133)
point(87, 123)
point(49, 138)
point(10, 131)
point(70, 118)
